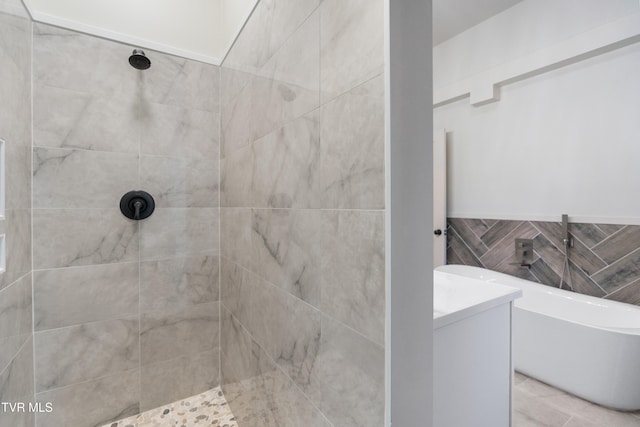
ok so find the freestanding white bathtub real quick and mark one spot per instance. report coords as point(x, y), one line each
point(587, 346)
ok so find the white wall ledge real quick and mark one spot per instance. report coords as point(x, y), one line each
point(483, 87)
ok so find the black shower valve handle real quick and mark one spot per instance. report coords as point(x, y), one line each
point(137, 205)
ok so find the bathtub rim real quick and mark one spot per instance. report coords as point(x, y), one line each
point(530, 286)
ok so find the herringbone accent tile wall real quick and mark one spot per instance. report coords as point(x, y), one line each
point(604, 261)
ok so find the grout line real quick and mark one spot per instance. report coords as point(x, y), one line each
point(219, 257)
point(464, 221)
point(467, 246)
point(125, 372)
point(31, 154)
point(616, 262)
point(316, 309)
point(609, 237)
point(22, 347)
point(279, 368)
point(571, 417)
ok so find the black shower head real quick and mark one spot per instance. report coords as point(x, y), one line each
point(139, 60)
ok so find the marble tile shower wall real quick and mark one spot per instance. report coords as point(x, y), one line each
point(16, 330)
point(126, 315)
point(604, 260)
point(302, 215)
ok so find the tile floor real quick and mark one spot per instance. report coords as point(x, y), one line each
point(536, 404)
point(206, 409)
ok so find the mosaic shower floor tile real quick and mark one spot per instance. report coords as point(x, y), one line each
point(206, 409)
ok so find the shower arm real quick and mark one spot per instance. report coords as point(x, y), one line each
point(566, 239)
point(568, 243)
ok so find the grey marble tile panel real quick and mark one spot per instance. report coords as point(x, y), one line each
point(16, 39)
point(180, 282)
point(65, 178)
point(237, 171)
point(171, 380)
point(235, 107)
point(176, 81)
point(286, 250)
point(234, 286)
point(235, 239)
point(353, 289)
point(15, 54)
point(241, 358)
point(619, 244)
point(263, 106)
point(180, 182)
point(287, 165)
point(9, 347)
point(272, 23)
point(166, 335)
point(16, 385)
point(285, 327)
point(284, 89)
point(257, 392)
point(60, 61)
point(92, 403)
point(179, 232)
point(85, 352)
point(13, 7)
point(351, 44)
point(296, 63)
point(107, 122)
point(352, 149)
point(76, 295)
point(347, 381)
point(15, 90)
point(16, 324)
point(469, 236)
point(74, 237)
point(622, 272)
point(169, 130)
point(17, 230)
point(17, 176)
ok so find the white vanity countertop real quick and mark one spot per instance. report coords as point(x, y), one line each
point(457, 297)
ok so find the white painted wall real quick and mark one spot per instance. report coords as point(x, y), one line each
point(195, 29)
point(565, 141)
point(527, 27)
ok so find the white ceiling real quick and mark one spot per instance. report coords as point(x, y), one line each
point(452, 17)
point(203, 30)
